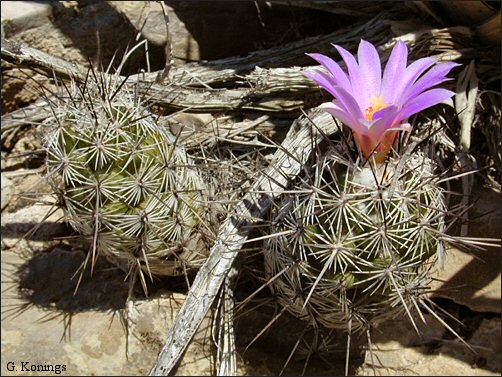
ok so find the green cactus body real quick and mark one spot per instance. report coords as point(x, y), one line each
point(124, 183)
point(358, 243)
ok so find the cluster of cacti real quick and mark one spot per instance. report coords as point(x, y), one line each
point(356, 243)
point(353, 240)
point(123, 181)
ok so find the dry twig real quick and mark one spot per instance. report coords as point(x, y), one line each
point(285, 165)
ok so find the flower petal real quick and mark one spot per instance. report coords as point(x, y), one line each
point(394, 70)
point(334, 69)
point(423, 101)
point(352, 115)
point(383, 121)
point(350, 105)
point(342, 115)
point(347, 102)
point(412, 72)
point(323, 80)
point(370, 68)
point(356, 81)
point(436, 75)
point(376, 108)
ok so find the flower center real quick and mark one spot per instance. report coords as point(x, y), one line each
point(377, 104)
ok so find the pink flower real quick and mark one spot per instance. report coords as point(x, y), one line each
point(376, 107)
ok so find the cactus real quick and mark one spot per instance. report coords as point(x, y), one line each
point(123, 182)
point(354, 240)
point(357, 243)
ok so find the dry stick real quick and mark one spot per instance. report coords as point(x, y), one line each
point(24, 55)
point(32, 114)
point(289, 54)
point(226, 361)
point(285, 165)
point(277, 97)
point(465, 103)
point(268, 90)
point(445, 44)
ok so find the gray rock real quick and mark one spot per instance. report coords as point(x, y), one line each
point(398, 351)
point(7, 191)
point(88, 337)
point(18, 16)
point(473, 277)
point(40, 219)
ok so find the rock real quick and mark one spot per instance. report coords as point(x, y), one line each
point(147, 18)
point(200, 30)
point(21, 87)
point(7, 190)
point(91, 339)
point(18, 16)
point(488, 338)
point(473, 278)
point(486, 343)
point(18, 87)
point(485, 216)
point(79, 31)
point(28, 188)
point(398, 351)
point(41, 219)
point(28, 143)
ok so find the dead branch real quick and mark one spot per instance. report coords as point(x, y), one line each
point(171, 96)
point(26, 56)
point(266, 90)
point(217, 72)
point(32, 114)
point(285, 165)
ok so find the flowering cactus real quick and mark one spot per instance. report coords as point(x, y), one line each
point(354, 245)
point(376, 107)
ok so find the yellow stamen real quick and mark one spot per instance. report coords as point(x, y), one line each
point(377, 105)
